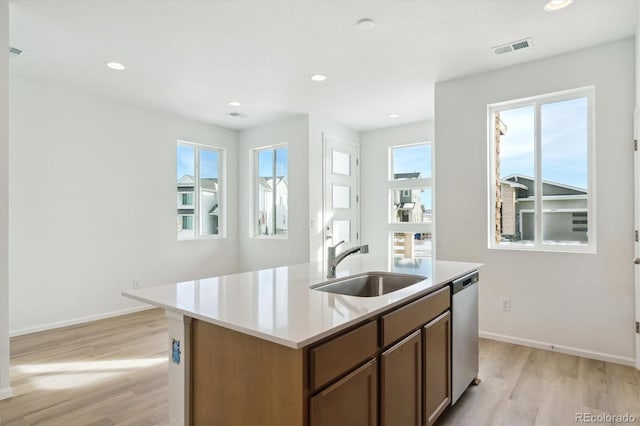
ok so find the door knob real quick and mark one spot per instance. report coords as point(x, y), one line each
point(636, 260)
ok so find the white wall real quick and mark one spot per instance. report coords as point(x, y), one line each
point(5, 390)
point(319, 127)
point(93, 205)
point(578, 301)
point(374, 153)
point(258, 253)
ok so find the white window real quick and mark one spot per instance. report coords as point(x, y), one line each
point(410, 201)
point(199, 191)
point(185, 199)
point(541, 157)
point(270, 192)
point(187, 222)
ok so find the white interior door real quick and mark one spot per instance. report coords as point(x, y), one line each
point(636, 163)
point(341, 198)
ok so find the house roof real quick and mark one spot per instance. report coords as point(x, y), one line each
point(186, 180)
point(412, 175)
point(209, 183)
point(205, 183)
point(561, 188)
point(513, 184)
point(266, 182)
point(406, 206)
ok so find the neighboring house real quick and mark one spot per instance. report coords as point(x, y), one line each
point(209, 206)
point(564, 210)
point(265, 206)
point(408, 203)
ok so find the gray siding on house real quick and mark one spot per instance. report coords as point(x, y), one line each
point(564, 218)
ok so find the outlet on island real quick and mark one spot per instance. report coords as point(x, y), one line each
point(136, 283)
point(505, 304)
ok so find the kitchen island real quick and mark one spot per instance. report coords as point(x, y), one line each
point(265, 347)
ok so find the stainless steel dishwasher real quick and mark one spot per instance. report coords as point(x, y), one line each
point(464, 334)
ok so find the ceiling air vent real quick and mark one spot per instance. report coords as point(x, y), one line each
point(513, 46)
point(14, 51)
point(238, 114)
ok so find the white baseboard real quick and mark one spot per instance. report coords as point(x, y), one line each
point(74, 321)
point(5, 393)
point(600, 356)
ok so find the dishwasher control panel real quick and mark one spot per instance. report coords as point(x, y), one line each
point(465, 281)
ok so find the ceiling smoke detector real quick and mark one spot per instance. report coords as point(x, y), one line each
point(365, 24)
point(237, 114)
point(513, 46)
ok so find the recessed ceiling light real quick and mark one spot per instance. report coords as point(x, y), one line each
point(115, 66)
point(365, 24)
point(553, 5)
point(394, 115)
point(235, 104)
point(318, 77)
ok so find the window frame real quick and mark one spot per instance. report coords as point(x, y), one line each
point(222, 201)
point(407, 185)
point(255, 193)
point(538, 243)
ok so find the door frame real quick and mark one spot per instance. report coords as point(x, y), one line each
point(326, 138)
point(636, 215)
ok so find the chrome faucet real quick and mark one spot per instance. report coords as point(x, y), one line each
point(333, 260)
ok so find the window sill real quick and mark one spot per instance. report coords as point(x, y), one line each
point(548, 248)
point(203, 237)
point(270, 237)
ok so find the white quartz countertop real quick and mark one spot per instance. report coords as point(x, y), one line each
point(278, 304)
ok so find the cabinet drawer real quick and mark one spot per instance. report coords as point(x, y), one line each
point(353, 400)
point(404, 320)
point(332, 359)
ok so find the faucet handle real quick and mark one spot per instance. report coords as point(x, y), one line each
point(336, 246)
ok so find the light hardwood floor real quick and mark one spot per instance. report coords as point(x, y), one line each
point(526, 386)
point(107, 372)
point(114, 371)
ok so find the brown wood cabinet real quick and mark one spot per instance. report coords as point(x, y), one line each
point(330, 360)
point(405, 319)
point(392, 369)
point(401, 382)
point(436, 338)
point(237, 379)
point(352, 400)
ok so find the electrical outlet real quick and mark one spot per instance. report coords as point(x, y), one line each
point(505, 304)
point(136, 283)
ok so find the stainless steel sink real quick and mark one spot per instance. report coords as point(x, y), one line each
point(369, 284)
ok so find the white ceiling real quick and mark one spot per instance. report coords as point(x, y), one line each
point(192, 57)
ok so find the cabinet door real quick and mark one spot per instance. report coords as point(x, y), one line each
point(350, 401)
point(437, 366)
point(401, 382)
